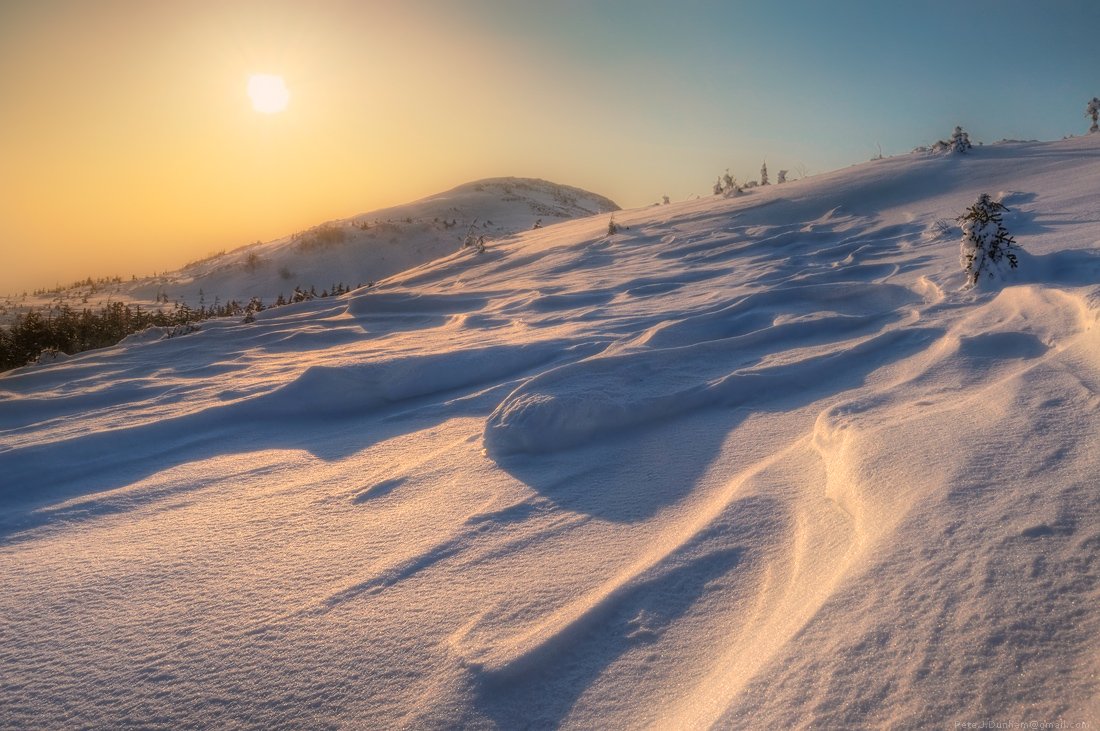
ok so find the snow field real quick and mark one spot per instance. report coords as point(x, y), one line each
point(748, 461)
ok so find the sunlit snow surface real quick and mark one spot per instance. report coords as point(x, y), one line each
point(753, 462)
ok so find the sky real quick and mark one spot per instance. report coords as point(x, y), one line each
point(128, 143)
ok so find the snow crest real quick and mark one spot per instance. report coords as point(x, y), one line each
point(725, 358)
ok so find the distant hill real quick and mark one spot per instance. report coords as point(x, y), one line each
point(352, 251)
point(375, 245)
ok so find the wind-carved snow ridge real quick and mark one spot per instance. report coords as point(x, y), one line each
point(334, 390)
point(937, 459)
point(729, 365)
point(759, 460)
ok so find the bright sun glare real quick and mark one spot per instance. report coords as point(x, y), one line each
point(268, 93)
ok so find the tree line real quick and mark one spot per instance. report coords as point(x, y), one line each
point(70, 331)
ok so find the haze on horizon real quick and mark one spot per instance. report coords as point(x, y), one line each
point(129, 143)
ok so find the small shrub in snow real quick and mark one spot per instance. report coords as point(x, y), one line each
point(612, 227)
point(252, 261)
point(319, 237)
point(473, 241)
point(940, 228)
point(302, 295)
point(781, 177)
point(255, 305)
point(51, 355)
point(1093, 110)
point(477, 243)
point(185, 329)
point(986, 250)
point(959, 142)
point(727, 186)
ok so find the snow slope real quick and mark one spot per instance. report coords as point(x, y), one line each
point(752, 462)
point(351, 251)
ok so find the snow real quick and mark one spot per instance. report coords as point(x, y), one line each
point(352, 251)
point(761, 461)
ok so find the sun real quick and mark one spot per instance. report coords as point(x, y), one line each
point(268, 93)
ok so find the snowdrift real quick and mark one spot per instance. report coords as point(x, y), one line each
point(761, 461)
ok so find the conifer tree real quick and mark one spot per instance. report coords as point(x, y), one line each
point(1093, 110)
point(986, 250)
point(726, 186)
point(960, 140)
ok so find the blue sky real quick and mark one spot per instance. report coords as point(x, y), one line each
point(820, 83)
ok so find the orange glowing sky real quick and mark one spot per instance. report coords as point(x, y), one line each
point(129, 143)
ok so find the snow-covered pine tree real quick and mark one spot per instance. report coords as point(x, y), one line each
point(781, 177)
point(986, 249)
point(1093, 110)
point(764, 174)
point(960, 140)
point(727, 185)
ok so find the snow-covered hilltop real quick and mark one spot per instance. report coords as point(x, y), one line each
point(759, 462)
point(351, 251)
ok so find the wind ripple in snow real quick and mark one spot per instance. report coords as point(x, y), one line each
point(605, 394)
point(566, 407)
point(360, 387)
